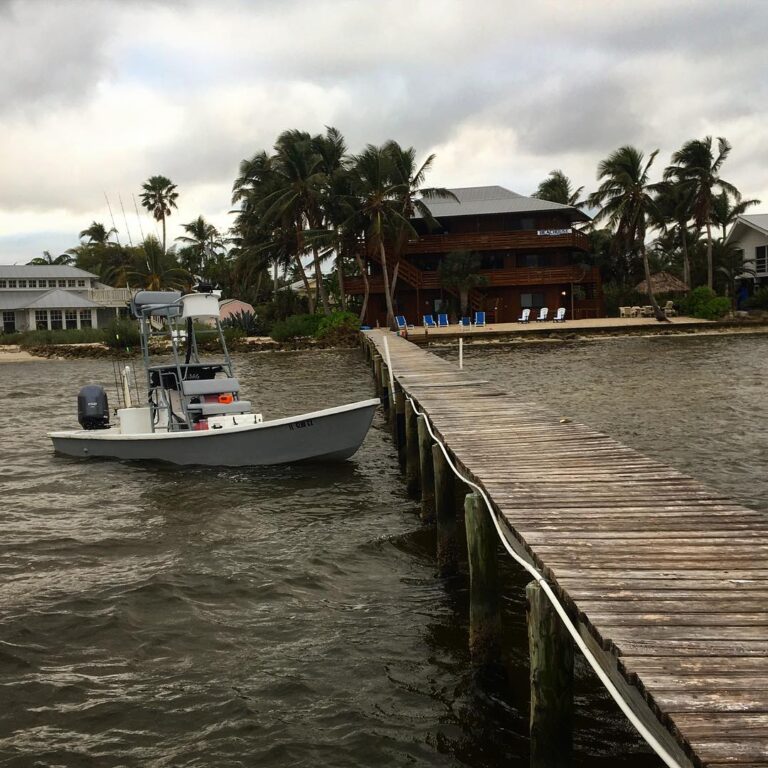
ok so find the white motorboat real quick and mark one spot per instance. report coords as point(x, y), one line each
point(193, 413)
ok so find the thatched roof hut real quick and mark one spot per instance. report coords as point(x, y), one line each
point(663, 282)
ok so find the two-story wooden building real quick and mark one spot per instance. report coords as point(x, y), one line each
point(530, 254)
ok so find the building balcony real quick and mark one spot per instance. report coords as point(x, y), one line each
point(567, 238)
point(110, 297)
point(521, 276)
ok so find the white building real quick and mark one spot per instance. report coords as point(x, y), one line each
point(750, 234)
point(43, 297)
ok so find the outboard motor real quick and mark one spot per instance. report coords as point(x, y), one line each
point(92, 407)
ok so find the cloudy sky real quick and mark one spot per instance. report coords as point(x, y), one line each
point(96, 96)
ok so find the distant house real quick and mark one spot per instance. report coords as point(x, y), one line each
point(43, 297)
point(530, 253)
point(229, 307)
point(750, 234)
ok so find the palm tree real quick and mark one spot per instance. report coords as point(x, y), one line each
point(558, 188)
point(625, 200)
point(203, 244)
point(97, 234)
point(158, 197)
point(724, 214)
point(673, 208)
point(697, 170)
point(460, 270)
point(156, 269)
point(46, 258)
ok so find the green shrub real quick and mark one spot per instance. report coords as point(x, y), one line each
point(704, 303)
point(247, 322)
point(295, 327)
point(122, 333)
point(337, 321)
point(27, 339)
point(758, 300)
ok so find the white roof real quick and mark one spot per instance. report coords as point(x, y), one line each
point(493, 199)
point(53, 299)
point(758, 221)
point(33, 271)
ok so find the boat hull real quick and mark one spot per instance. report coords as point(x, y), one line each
point(333, 434)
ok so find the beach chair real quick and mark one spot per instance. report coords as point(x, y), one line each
point(442, 321)
point(543, 312)
point(465, 322)
point(429, 321)
point(634, 311)
point(525, 316)
point(402, 323)
point(669, 309)
point(559, 315)
point(625, 311)
point(479, 319)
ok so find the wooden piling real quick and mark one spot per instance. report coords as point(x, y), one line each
point(377, 378)
point(551, 654)
point(445, 514)
point(485, 602)
point(426, 472)
point(398, 424)
point(411, 450)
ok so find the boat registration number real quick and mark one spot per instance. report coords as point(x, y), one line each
point(301, 424)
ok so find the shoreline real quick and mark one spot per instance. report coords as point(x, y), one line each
point(253, 345)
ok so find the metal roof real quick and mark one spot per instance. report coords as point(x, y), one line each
point(758, 221)
point(473, 201)
point(33, 271)
point(52, 299)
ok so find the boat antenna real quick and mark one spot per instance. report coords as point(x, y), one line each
point(125, 219)
point(114, 226)
point(138, 218)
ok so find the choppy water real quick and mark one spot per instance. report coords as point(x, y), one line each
point(157, 616)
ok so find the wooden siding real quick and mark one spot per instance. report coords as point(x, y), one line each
point(480, 241)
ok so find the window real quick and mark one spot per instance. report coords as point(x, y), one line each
point(81, 283)
point(2, 283)
point(71, 283)
point(32, 283)
point(491, 260)
point(761, 256)
point(530, 260)
point(11, 283)
point(41, 319)
point(62, 283)
point(56, 324)
point(70, 318)
point(9, 322)
point(22, 283)
point(85, 318)
point(531, 300)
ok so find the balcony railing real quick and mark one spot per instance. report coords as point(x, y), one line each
point(110, 297)
point(479, 241)
point(495, 278)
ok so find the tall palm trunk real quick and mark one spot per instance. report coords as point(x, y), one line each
point(274, 277)
point(366, 286)
point(163, 233)
point(658, 313)
point(340, 278)
point(710, 270)
point(686, 259)
point(387, 294)
point(319, 280)
point(302, 272)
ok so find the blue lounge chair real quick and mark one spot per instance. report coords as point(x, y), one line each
point(559, 316)
point(429, 321)
point(442, 321)
point(525, 316)
point(479, 319)
point(402, 323)
point(465, 322)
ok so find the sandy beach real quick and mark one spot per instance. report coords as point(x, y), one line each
point(11, 353)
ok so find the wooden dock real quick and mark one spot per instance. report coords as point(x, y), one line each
point(667, 578)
